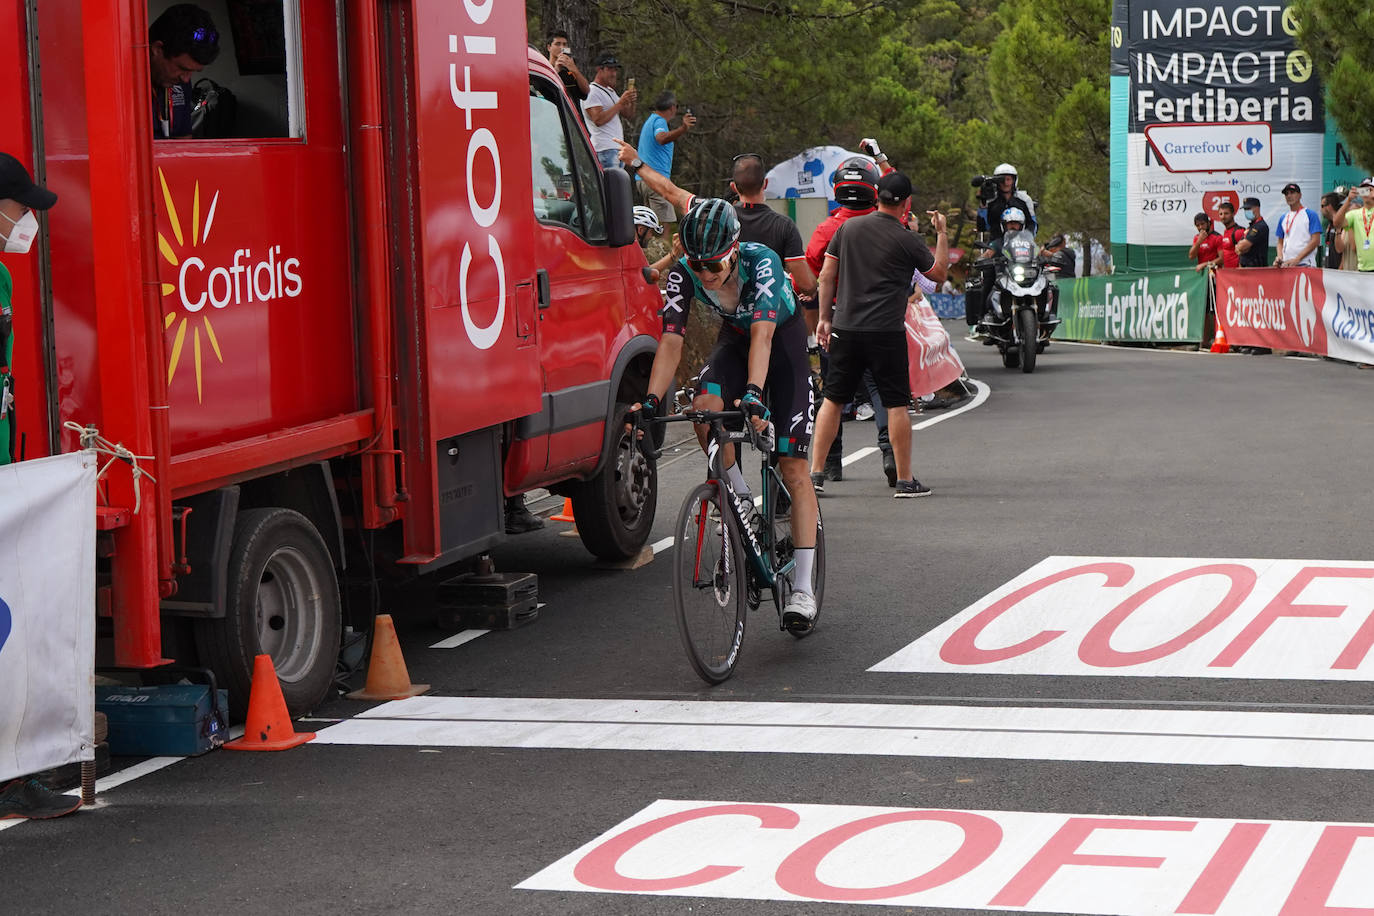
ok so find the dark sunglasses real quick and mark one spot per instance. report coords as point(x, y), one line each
point(716, 266)
point(204, 36)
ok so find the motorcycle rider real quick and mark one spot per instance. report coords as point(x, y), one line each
point(1013, 220)
point(1009, 195)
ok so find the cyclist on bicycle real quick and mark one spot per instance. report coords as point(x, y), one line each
point(762, 341)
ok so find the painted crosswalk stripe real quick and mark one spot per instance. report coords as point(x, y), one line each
point(1170, 736)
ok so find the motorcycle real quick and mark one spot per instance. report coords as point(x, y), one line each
point(1021, 298)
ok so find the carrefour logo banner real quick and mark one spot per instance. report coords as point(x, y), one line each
point(1158, 307)
point(47, 613)
point(1216, 104)
point(1326, 312)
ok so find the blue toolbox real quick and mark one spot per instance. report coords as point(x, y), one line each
point(171, 720)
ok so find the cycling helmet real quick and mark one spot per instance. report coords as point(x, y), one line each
point(709, 229)
point(1013, 215)
point(648, 219)
point(856, 183)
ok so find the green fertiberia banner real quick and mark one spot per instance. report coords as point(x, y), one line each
point(1159, 307)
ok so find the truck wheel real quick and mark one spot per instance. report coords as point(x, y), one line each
point(283, 601)
point(615, 509)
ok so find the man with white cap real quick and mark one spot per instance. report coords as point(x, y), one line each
point(1360, 223)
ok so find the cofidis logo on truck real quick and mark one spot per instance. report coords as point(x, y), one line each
point(212, 276)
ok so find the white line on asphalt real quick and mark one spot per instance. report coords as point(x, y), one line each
point(984, 390)
point(457, 639)
point(1170, 736)
point(659, 546)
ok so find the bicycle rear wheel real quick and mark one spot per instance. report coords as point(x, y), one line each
point(781, 549)
point(709, 584)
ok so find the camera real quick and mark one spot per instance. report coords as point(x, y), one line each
point(987, 188)
point(687, 110)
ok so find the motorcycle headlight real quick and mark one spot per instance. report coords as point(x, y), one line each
point(1023, 273)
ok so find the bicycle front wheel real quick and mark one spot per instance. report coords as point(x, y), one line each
point(709, 584)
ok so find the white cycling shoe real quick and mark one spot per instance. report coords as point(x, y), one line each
point(800, 611)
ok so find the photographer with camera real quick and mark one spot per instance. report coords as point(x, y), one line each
point(996, 193)
point(560, 55)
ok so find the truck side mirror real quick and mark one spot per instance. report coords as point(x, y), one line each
point(620, 218)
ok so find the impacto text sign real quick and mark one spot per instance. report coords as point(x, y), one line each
point(1212, 147)
point(974, 860)
point(1160, 307)
point(1163, 617)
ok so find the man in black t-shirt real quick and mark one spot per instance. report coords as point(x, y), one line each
point(1254, 248)
point(864, 285)
point(574, 83)
point(760, 223)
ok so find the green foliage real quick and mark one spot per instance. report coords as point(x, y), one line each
point(1335, 33)
point(950, 88)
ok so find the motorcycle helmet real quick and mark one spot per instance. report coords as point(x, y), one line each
point(1013, 215)
point(856, 183)
point(1004, 169)
point(709, 229)
point(647, 218)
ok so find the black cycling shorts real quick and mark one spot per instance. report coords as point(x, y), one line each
point(883, 352)
point(790, 401)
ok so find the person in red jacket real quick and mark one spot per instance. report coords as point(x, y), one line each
point(1206, 247)
point(1231, 234)
point(856, 192)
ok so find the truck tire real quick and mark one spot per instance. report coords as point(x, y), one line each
point(282, 601)
point(615, 509)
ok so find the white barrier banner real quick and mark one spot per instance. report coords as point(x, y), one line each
point(47, 613)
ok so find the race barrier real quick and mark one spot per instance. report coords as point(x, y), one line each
point(947, 305)
point(1311, 310)
point(1167, 306)
point(47, 630)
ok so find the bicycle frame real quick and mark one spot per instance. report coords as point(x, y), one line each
point(757, 544)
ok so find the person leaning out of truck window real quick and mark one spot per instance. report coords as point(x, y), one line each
point(181, 42)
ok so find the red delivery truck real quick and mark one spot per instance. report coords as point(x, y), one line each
point(384, 286)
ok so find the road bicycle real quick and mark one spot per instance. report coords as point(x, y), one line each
point(726, 553)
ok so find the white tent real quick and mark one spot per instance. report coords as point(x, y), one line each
point(807, 174)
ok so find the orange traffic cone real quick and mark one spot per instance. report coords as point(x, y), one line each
point(269, 724)
point(1219, 344)
point(566, 516)
point(387, 677)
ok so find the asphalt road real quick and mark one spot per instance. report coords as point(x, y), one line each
point(1077, 775)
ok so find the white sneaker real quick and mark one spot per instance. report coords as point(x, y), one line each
point(800, 610)
point(863, 412)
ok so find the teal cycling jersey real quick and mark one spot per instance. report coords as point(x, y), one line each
point(765, 294)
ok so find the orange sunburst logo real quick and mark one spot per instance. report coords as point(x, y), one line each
point(186, 317)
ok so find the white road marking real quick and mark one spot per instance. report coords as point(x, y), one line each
point(1023, 861)
point(1162, 617)
point(457, 639)
point(1172, 736)
point(659, 546)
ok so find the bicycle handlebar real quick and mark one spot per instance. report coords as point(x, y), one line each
point(763, 441)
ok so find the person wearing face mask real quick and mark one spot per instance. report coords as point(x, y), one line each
point(19, 198)
point(1254, 248)
point(24, 796)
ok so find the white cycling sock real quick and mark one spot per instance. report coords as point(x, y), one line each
point(801, 573)
point(737, 481)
